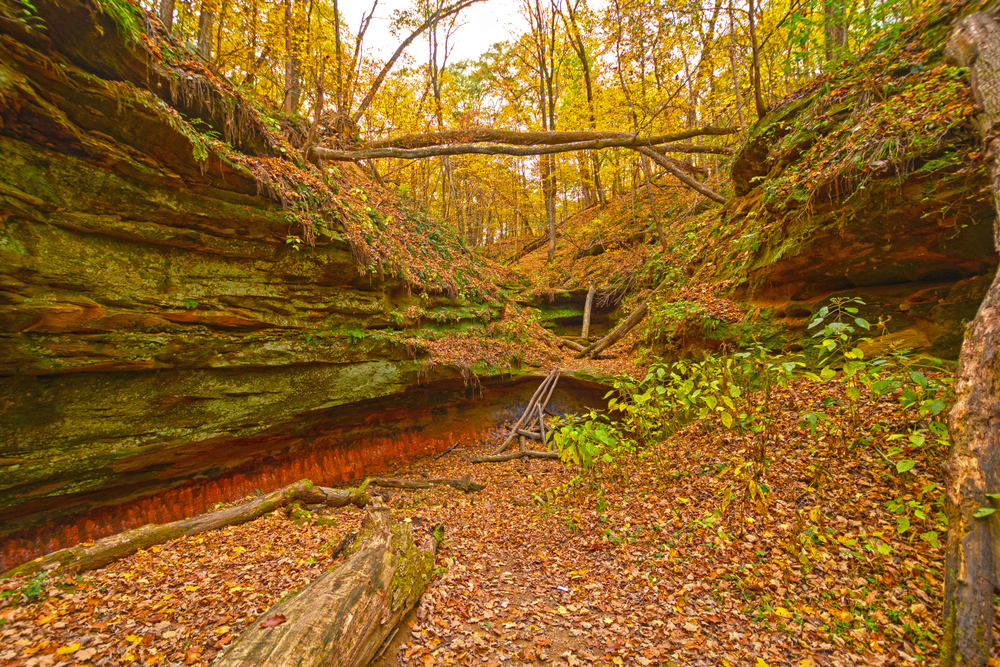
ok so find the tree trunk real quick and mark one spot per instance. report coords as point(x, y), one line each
point(345, 616)
point(586, 313)
point(205, 21)
point(526, 454)
point(834, 28)
point(674, 169)
point(973, 466)
point(167, 14)
point(755, 61)
point(109, 549)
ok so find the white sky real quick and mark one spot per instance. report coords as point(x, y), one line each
point(481, 25)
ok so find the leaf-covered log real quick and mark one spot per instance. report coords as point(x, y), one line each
point(343, 617)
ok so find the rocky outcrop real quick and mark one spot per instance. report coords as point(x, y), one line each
point(162, 318)
point(868, 183)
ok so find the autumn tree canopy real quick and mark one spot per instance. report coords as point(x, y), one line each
point(638, 68)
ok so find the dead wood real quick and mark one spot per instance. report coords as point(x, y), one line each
point(491, 135)
point(441, 455)
point(565, 342)
point(527, 454)
point(673, 167)
point(345, 616)
point(466, 485)
point(507, 149)
point(633, 319)
point(527, 411)
point(109, 549)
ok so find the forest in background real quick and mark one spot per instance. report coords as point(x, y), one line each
point(647, 67)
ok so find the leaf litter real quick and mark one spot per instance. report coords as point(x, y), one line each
point(639, 562)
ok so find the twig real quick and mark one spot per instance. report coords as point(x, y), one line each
point(446, 451)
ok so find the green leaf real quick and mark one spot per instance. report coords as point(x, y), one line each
point(917, 440)
point(727, 419)
point(883, 549)
point(905, 465)
point(994, 496)
point(902, 524)
point(983, 512)
point(863, 323)
point(853, 393)
point(827, 373)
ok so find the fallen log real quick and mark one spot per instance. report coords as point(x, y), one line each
point(466, 484)
point(571, 344)
point(345, 616)
point(534, 435)
point(526, 454)
point(109, 549)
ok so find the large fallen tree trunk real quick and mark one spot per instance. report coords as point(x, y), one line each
point(343, 617)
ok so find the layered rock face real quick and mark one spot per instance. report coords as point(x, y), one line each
point(156, 327)
point(868, 184)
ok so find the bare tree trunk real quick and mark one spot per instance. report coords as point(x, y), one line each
point(205, 21)
point(585, 334)
point(732, 64)
point(167, 14)
point(834, 28)
point(755, 52)
point(973, 466)
point(293, 62)
point(652, 205)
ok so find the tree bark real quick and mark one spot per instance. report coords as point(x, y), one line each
point(973, 466)
point(343, 617)
point(461, 484)
point(670, 166)
point(205, 21)
point(109, 549)
point(755, 63)
point(834, 28)
point(167, 14)
point(526, 454)
point(586, 313)
point(475, 135)
point(504, 149)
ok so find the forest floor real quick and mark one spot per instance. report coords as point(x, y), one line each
point(642, 561)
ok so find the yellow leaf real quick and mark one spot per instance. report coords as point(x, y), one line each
point(133, 639)
point(222, 630)
point(66, 650)
point(239, 550)
point(762, 663)
point(806, 662)
point(130, 657)
point(782, 612)
point(192, 589)
point(561, 610)
point(45, 619)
